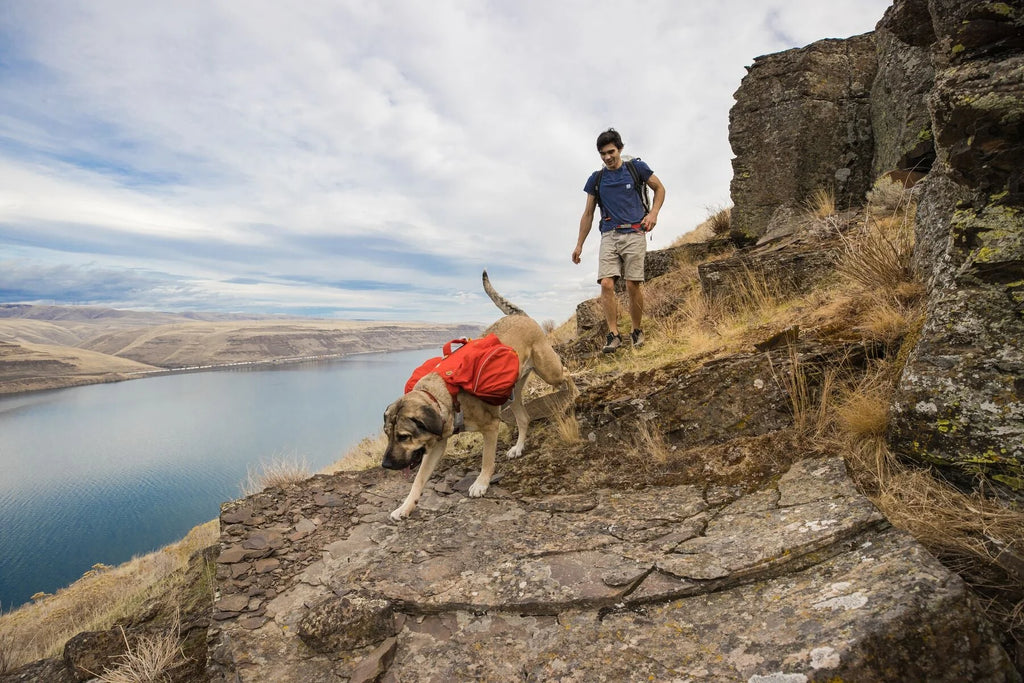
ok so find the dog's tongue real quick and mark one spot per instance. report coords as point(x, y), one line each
point(408, 473)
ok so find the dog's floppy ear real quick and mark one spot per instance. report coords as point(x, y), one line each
point(390, 412)
point(429, 420)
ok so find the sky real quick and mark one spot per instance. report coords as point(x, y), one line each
point(357, 160)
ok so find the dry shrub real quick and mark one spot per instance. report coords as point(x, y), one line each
point(717, 224)
point(821, 203)
point(279, 472)
point(365, 455)
point(864, 414)
point(720, 221)
point(150, 660)
point(549, 326)
point(888, 196)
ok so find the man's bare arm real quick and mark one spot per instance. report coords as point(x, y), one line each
point(586, 223)
point(651, 219)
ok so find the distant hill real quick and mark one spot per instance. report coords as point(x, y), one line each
point(47, 347)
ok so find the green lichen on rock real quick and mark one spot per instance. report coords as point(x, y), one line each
point(999, 8)
point(997, 233)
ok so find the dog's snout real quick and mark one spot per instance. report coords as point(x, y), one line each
point(389, 463)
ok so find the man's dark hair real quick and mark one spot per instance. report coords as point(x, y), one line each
point(609, 136)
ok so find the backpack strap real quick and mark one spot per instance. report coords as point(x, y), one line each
point(640, 185)
point(597, 187)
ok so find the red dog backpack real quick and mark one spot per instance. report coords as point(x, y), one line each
point(483, 367)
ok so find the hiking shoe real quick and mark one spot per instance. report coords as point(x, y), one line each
point(612, 342)
point(637, 336)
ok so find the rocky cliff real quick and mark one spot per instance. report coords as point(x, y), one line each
point(961, 401)
point(937, 89)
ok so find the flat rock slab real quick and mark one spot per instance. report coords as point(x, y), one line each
point(803, 580)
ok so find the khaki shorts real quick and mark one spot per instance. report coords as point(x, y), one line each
point(622, 255)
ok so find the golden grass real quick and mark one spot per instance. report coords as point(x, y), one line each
point(721, 221)
point(650, 443)
point(878, 255)
point(567, 428)
point(810, 391)
point(280, 471)
point(821, 203)
point(98, 600)
point(365, 455)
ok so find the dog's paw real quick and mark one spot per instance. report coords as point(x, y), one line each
point(399, 514)
point(478, 488)
point(515, 451)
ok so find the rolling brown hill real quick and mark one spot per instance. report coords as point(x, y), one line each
point(48, 347)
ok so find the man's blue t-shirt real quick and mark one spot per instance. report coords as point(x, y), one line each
point(620, 202)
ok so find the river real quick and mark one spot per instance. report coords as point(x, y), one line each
point(103, 472)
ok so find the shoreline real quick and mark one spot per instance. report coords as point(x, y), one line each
point(59, 382)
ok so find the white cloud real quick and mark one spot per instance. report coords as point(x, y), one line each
point(268, 140)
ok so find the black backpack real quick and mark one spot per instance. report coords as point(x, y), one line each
point(639, 184)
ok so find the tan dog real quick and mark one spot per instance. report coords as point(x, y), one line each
point(419, 424)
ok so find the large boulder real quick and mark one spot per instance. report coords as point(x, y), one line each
point(961, 400)
point(802, 121)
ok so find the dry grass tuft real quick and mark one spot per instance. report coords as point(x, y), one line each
point(651, 446)
point(281, 471)
point(888, 196)
point(150, 660)
point(821, 203)
point(751, 297)
point(878, 256)
point(8, 655)
point(365, 455)
point(810, 392)
point(720, 221)
point(717, 224)
point(567, 428)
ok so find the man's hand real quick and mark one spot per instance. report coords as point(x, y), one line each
point(649, 221)
point(576, 255)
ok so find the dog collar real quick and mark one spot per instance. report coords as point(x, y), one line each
point(432, 397)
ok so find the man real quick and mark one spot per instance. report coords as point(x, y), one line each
point(624, 226)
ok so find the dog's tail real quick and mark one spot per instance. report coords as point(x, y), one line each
point(506, 306)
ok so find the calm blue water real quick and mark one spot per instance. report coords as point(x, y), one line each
point(104, 472)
